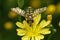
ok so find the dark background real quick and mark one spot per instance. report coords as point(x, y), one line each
point(11, 34)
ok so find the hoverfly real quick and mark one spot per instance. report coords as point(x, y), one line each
point(29, 12)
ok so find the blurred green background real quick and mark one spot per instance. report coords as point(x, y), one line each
point(8, 18)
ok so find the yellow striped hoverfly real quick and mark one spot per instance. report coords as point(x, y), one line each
point(28, 13)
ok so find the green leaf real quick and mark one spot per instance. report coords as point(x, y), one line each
point(20, 3)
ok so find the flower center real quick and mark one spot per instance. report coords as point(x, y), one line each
point(32, 33)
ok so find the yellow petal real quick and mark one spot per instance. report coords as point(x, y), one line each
point(44, 24)
point(49, 17)
point(39, 37)
point(32, 38)
point(36, 20)
point(25, 38)
point(21, 32)
point(20, 25)
point(26, 25)
point(45, 31)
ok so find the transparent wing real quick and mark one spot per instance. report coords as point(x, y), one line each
point(40, 10)
point(18, 11)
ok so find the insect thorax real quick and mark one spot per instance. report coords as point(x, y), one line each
point(29, 15)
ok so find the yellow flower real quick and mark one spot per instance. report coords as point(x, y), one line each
point(50, 9)
point(59, 24)
point(35, 3)
point(35, 31)
point(12, 14)
point(8, 25)
point(58, 8)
